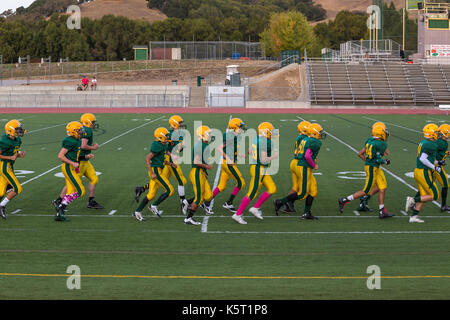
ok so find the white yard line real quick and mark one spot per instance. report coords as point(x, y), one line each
point(332, 232)
point(393, 124)
point(37, 130)
point(16, 211)
point(104, 143)
point(356, 213)
point(403, 213)
point(389, 172)
point(205, 224)
point(112, 212)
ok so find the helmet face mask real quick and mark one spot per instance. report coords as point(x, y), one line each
point(444, 131)
point(237, 126)
point(316, 131)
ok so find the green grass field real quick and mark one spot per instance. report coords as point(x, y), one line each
point(280, 257)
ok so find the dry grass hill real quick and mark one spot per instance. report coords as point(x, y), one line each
point(133, 9)
point(334, 6)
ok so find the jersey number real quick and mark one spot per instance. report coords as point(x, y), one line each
point(369, 151)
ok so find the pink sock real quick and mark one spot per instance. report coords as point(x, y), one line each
point(216, 192)
point(262, 198)
point(235, 191)
point(244, 203)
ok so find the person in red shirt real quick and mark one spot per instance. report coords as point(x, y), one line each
point(84, 83)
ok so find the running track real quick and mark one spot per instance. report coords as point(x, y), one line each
point(317, 110)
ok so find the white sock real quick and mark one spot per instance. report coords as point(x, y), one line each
point(350, 197)
point(381, 206)
point(181, 191)
point(4, 202)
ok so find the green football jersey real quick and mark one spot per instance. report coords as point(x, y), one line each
point(375, 149)
point(430, 148)
point(230, 140)
point(200, 146)
point(9, 147)
point(88, 134)
point(172, 144)
point(261, 144)
point(159, 151)
point(442, 147)
point(299, 139)
point(73, 147)
point(308, 143)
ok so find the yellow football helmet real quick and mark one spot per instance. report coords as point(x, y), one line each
point(379, 123)
point(89, 120)
point(265, 129)
point(162, 135)
point(14, 128)
point(237, 125)
point(315, 130)
point(203, 133)
point(380, 132)
point(74, 129)
point(444, 129)
point(302, 127)
point(431, 131)
point(176, 122)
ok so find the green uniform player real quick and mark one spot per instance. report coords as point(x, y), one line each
point(426, 165)
point(10, 144)
point(375, 148)
point(441, 155)
point(156, 160)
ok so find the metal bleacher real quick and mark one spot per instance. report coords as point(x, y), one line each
point(377, 83)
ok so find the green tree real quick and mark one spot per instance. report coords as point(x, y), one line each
point(289, 31)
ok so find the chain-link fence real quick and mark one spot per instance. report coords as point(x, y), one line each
point(207, 50)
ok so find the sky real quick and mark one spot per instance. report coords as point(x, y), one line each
point(13, 4)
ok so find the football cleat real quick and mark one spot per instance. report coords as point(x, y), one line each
point(363, 208)
point(208, 210)
point(155, 211)
point(184, 206)
point(138, 216)
point(342, 202)
point(230, 207)
point(277, 204)
point(308, 216)
point(191, 221)
point(409, 203)
point(137, 193)
point(2, 212)
point(238, 219)
point(56, 203)
point(256, 212)
point(382, 214)
point(445, 208)
point(415, 218)
point(290, 208)
point(94, 205)
point(60, 216)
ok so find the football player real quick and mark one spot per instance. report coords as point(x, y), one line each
point(442, 152)
point(69, 155)
point(426, 165)
point(89, 122)
point(302, 130)
point(199, 174)
point(229, 169)
point(307, 162)
point(262, 153)
point(155, 161)
point(364, 200)
point(10, 144)
point(374, 149)
point(175, 146)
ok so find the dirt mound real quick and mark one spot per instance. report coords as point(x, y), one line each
point(132, 9)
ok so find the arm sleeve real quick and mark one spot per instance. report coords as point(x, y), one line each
point(424, 159)
point(308, 158)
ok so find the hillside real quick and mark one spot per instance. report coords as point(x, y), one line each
point(132, 9)
point(333, 7)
